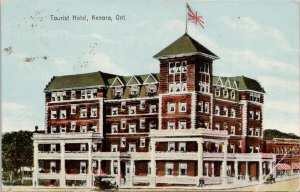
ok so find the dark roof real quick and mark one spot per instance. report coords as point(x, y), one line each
point(243, 83)
point(80, 80)
point(185, 45)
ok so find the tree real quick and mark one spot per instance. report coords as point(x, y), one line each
point(17, 152)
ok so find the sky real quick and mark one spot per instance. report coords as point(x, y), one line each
point(257, 39)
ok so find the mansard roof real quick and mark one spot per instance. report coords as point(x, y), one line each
point(94, 80)
point(185, 46)
point(242, 83)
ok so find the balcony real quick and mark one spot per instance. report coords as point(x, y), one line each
point(69, 135)
point(188, 132)
point(76, 176)
point(48, 155)
point(48, 175)
point(213, 156)
point(76, 155)
point(188, 180)
point(175, 155)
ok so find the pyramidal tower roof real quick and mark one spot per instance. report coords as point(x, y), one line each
point(185, 46)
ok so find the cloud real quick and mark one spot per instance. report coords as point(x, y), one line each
point(251, 29)
point(17, 116)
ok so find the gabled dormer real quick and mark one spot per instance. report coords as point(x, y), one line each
point(151, 83)
point(117, 88)
point(134, 85)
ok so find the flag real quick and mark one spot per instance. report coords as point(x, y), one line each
point(194, 17)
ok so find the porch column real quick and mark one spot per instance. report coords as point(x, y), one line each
point(200, 158)
point(236, 169)
point(99, 167)
point(36, 164)
point(152, 164)
point(119, 172)
point(260, 167)
point(62, 165)
point(90, 170)
point(212, 169)
point(132, 168)
point(224, 164)
point(246, 173)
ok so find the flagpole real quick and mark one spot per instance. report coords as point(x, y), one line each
point(186, 17)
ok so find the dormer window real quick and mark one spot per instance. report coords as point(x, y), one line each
point(132, 110)
point(89, 94)
point(171, 68)
point(118, 93)
point(217, 92)
point(83, 94)
point(133, 91)
point(151, 88)
point(225, 93)
point(152, 109)
point(73, 94)
point(232, 94)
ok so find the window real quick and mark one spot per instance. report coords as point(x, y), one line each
point(73, 125)
point(182, 146)
point(114, 148)
point(142, 123)
point(232, 148)
point(53, 148)
point(183, 87)
point(256, 150)
point(83, 94)
point(232, 130)
point(94, 112)
point(123, 123)
point(63, 129)
point(89, 93)
point(183, 67)
point(254, 97)
point(206, 124)
point(114, 128)
point(132, 147)
point(142, 142)
point(217, 126)
point(152, 108)
point(115, 167)
point(182, 124)
point(232, 94)
point(257, 115)
point(178, 87)
point(53, 114)
point(225, 126)
point(217, 110)
point(257, 132)
point(94, 128)
point(204, 87)
point(232, 112)
point(206, 107)
point(225, 111)
point(171, 68)
point(182, 169)
point(114, 111)
point(171, 87)
point(171, 125)
point(52, 167)
point(251, 114)
point(182, 107)
point(250, 131)
point(217, 92)
point(82, 167)
point(200, 106)
point(151, 89)
point(53, 96)
point(171, 107)
point(53, 129)
point(142, 104)
point(83, 113)
point(171, 146)
point(152, 125)
point(204, 68)
point(73, 94)
point(73, 109)
point(132, 110)
point(118, 92)
point(83, 128)
point(205, 170)
point(169, 169)
point(123, 105)
point(225, 93)
point(177, 67)
point(134, 90)
point(251, 149)
point(82, 147)
point(123, 142)
point(132, 128)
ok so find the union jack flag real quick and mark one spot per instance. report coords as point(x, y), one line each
point(194, 17)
